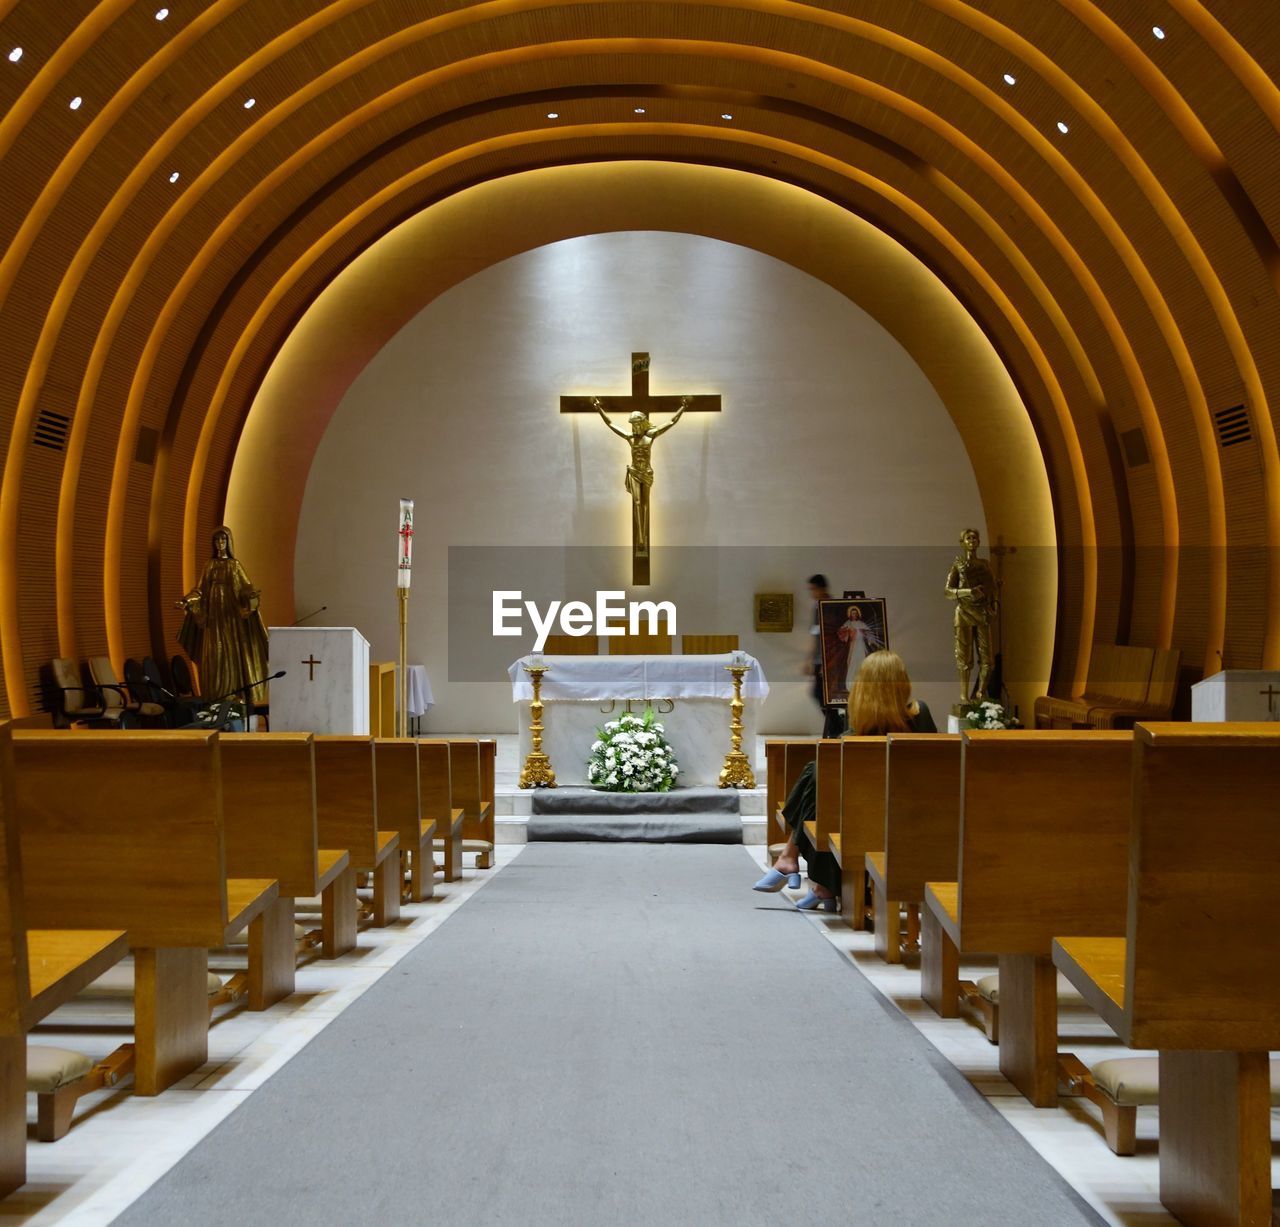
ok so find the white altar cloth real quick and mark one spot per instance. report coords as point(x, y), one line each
point(576, 689)
point(420, 699)
point(638, 677)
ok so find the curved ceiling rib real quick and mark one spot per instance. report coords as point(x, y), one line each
point(1121, 269)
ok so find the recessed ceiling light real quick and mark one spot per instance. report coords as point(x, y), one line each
point(1010, 79)
point(75, 102)
point(249, 103)
point(173, 178)
point(15, 55)
point(553, 114)
point(161, 14)
point(726, 115)
point(639, 110)
point(1062, 128)
point(1157, 31)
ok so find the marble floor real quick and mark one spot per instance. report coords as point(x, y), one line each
point(1124, 1191)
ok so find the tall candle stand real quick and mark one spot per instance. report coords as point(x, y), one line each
point(736, 772)
point(537, 771)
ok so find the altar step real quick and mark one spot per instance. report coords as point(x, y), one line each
point(683, 815)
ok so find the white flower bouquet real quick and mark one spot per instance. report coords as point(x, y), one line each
point(631, 754)
point(988, 714)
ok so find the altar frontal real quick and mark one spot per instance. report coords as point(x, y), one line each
point(691, 694)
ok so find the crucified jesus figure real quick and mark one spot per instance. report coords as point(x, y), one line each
point(639, 479)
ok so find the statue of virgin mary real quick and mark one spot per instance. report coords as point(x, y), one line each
point(223, 630)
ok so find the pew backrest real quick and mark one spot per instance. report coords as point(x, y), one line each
point(1044, 837)
point(921, 812)
point(1203, 939)
point(862, 764)
point(347, 797)
point(827, 785)
point(399, 796)
point(15, 984)
point(123, 830)
point(269, 809)
point(466, 778)
point(434, 783)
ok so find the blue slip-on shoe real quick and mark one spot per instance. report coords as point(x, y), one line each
point(775, 880)
point(811, 903)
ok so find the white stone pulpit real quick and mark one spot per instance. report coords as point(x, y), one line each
point(1237, 694)
point(326, 684)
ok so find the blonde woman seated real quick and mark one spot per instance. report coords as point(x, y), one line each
point(879, 702)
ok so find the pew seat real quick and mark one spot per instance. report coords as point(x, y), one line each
point(61, 963)
point(1095, 966)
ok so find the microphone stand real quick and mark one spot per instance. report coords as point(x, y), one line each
point(245, 694)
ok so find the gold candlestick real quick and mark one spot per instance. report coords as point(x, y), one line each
point(736, 772)
point(537, 771)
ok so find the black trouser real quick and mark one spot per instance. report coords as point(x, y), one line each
point(799, 808)
point(833, 720)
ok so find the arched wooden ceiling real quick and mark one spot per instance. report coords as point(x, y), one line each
point(1126, 268)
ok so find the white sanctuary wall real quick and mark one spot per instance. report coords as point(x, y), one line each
point(833, 453)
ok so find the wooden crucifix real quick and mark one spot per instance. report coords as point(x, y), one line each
point(639, 480)
point(311, 667)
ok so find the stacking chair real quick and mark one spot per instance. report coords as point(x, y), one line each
point(115, 695)
point(78, 703)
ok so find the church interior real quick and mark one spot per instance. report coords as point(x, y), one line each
point(640, 611)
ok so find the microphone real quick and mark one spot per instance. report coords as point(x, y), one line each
point(312, 614)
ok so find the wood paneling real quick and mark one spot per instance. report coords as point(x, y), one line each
point(1126, 269)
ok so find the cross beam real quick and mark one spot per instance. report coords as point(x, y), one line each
point(640, 398)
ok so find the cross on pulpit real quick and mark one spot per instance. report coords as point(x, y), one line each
point(640, 406)
point(311, 666)
point(1270, 694)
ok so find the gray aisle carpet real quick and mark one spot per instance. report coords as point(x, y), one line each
point(617, 1034)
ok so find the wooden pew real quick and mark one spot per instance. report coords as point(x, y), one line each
point(826, 801)
point(125, 830)
point(39, 971)
point(437, 805)
point(862, 763)
point(347, 817)
point(921, 832)
point(784, 760)
point(1192, 974)
point(1044, 846)
point(472, 792)
point(269, 814)
point(400, 809)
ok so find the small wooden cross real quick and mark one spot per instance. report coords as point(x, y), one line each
point(640, 398)
point(311, 667)
point(1270, 694)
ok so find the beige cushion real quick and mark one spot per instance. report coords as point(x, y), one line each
point(476, 845)
point(1130, 1080)
point(989, 989)
point(48, 1069)
point(1136, 1080)
point(242, 938)
point(118, 984)
point(66, 673)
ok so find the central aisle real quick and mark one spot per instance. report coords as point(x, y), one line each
point(617, 1033)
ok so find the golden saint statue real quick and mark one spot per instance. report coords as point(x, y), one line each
point(971, 584)
point(639, 479)
point(223, 631)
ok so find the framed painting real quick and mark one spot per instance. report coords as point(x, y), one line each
point(851, 630)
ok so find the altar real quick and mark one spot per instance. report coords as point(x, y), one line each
point(581, 693)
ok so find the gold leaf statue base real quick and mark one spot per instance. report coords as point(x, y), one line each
point(537, 771)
